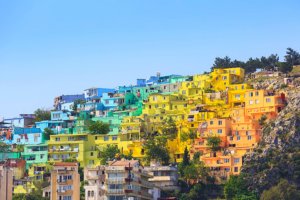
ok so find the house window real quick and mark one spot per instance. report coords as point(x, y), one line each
point(230, 138)
point(149, 107)
point(211, 122)
point(226, 160)
point(256, 101)
point(106, 138)
point(249, 137)
point(154, 98)
point(251, 102)
point(106, 101)
point(238, 138)
point(256, 93)
point(251, 94)
point(42, 156)
point(236, 169)
point(268, 100)
point(220, 122)
point(236, 160)
point(18, 140)
point(237, 96)
point(114, 137)
point(92, 153)
point(57, 139)
point(183, 92)
point(220, 131)
point(224, 77)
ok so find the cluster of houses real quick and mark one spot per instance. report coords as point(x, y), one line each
point(217, 104)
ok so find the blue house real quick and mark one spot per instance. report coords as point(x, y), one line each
point(60, 115)
point(24, 120)
point(56, 126)
point(58, 101)
point(92, 93)
point(112, 100)
point(26, 136)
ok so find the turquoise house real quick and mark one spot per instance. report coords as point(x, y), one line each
point(35, 154)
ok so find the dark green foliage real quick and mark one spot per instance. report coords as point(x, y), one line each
point(222, 62)
point(41, 115)
point(271, 62)
point(284, 67)
point(76, 103)
point(109, 153)
point(156, 149)
point(169, 128)
point(186, 157)
point(196, 157)
point(292, 57)
point(236, 188)
point(98, 127)
point(282, 191)
point(47, 133)
point(214, 143)
point(262, 120)
point(4, 147)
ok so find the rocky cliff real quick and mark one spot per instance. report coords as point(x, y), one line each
point(278, 153)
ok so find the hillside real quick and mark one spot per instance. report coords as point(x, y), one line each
point(278, 153)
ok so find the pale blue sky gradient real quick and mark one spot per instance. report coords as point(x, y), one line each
point(49, 48)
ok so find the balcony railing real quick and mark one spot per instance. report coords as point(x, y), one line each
point(115, 191)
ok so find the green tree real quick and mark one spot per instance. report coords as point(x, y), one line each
point(284, 67)
point(169, 128)
point(292, 57)
point(20, 147)
point(214, 143)
point(76, 103)
point(282, 191)
point(236, 188)
point(262, 120)
point(41, 115)
point(185, 162)
point(269, 63)
point(156, 149)
point(186, 157)
point(98, 127)
point(196, 157)
point(4, 147)
point(47, 133)
point(109, 153)
point(222, 62)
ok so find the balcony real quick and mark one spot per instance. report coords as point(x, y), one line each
point(120, 180)
point(128, 179)
point(115, 191)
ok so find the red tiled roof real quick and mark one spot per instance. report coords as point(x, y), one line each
point(124, 163)
point(65, 164)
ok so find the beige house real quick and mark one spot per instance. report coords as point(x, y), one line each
point(122, 179)
point(65, 181)
point(6, 182)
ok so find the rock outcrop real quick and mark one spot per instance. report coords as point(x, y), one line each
point(278, 153)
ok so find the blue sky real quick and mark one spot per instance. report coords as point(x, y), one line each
point(49, 48)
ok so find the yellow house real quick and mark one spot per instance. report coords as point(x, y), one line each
point(80, 147)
